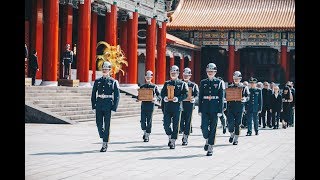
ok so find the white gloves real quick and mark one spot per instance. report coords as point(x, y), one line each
point(243, 99)
point(219, 114)
point(175, 99)
point(154, 99)
point(94, 111)
point(165, 99)
point(199, 113)
point(193, 100)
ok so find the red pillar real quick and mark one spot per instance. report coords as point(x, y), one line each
point(111, 26)
point(123, 46)
point(171, 61)
point(191, 65)
point(284, 60)
point(231, 62)
point(197, 67)
point(50, 53)
point(66, 30)
point(181, 67)
point(37, 33)
point(83, 46)
point(93, 46)
point(161, 54)
point(132, 48)
point(150, 46)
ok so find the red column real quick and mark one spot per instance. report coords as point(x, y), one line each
point(284, 60)
point(181, 66)
point(111, 26)
point(161, 54)
point(150, 46)
point(83, 46)
point(66, 30)
point(171, 61)
point(123, 46)
point(191, 66)
point(93, 46)
point(50, 53)
point(37, 33)
point(132, 48)
point(197, 67)
point(231, 62)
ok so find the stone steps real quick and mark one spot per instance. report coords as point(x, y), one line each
point(40, 98)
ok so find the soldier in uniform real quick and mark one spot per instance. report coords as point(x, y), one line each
point(223, 118)
point(106, 101)
point(173, 107)
point(188, 107)
point(236, 109)
point(147, 107)
point(211, 95)
point(253, 106)
point(67, 59)
point(244, 116)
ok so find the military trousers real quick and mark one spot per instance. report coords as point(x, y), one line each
point(146, 120)
point(252, 117)
point(234, 121)
point(209, 126)
point(173, 117)
point(103, 123)
point(185, 123)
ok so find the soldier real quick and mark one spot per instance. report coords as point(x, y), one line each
point(259, 86)
point(67, 59)
point(210, 106)
point(236, 108)
point(223, 117)
point(148, 106)
point(244, 116)
point(106, 101)
point(188, 107)
point(266, 97)
point(173, 107)
point(253, 106)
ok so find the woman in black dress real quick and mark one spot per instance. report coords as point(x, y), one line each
point(286, 100)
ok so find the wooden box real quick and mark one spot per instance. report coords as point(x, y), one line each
point(27, 81)
point(189, 95)
point(68, 82)
point(234, 94)
point(145, 94)
point(170, 90)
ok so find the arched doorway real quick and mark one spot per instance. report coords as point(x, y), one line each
point(216, 55)
point(262, 63)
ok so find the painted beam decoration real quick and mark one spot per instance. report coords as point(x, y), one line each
point(183, 51)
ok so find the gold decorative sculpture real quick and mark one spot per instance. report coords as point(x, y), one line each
point(114, 55)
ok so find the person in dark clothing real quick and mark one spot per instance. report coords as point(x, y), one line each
point(33, 66)
point(25, 52)
point(293, 91)
point(286, 100)
point(276, 107)
point(266, 96)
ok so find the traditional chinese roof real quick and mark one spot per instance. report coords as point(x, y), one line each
point(234, 15)
point(179, 42)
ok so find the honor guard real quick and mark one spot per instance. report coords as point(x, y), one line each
point(236, 109)
point(148, 106)
point(67, 60)
point(210, 106)
point(173, 107)
point(244, 116)
point(104, 99)
point(188, 106)
point(253, 106)
point(223, 117)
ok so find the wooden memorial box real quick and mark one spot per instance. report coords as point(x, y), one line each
point(170, 90)
point(189, 95)
point(145, 94)
point(233, 94)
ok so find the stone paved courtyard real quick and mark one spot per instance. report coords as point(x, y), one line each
point(55, 151)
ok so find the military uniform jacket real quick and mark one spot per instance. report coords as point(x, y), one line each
point(255, 101)
point(276, 103)
point(211, 88)
point(149, 105)
point(180, 91)
point(67, 58)
point(266, 97)
point(187, 105)
point(238, 106)
point(106, 86)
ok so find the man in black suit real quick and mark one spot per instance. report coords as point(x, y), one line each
point(33, 66)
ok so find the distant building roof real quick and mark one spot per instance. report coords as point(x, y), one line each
point(179, 42)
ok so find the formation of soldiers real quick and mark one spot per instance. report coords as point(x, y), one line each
point(255, 104)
